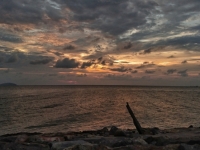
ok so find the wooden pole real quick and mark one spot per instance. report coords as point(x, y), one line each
point(135, 121)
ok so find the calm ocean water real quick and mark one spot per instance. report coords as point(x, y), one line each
point(77, 108)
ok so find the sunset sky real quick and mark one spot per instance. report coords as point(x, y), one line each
point(100, 42)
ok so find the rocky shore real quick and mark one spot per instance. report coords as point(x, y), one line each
point(106, 139)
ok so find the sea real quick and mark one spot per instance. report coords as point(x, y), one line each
point(50, 109)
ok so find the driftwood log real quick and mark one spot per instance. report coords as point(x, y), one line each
point(135, 121)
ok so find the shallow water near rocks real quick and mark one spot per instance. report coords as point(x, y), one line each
point(76, 108)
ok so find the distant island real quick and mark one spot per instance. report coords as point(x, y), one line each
point(8, 84)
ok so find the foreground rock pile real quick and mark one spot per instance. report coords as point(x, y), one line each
point(106, 139)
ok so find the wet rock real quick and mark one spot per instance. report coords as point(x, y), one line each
point(191, 126)
point(88, 147)
point(24, 146)
point(103, 131)
point(69, 137)
point(8, 139)
point(192, 142)
point(67, 144)
point(122, 143)
point(119, 132)
point(159, 141)
point(147, 147)
point(155, 131)
point(189, 147)
point(140, 141)
point(113, 129)
point(21, 138)
point(51, 139)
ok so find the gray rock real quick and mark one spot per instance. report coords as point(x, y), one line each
point(159, 140)
point(155, 131)
point(67, 144)
point(119, 132)
point(189, 147)
point(140, 141)
point(113, 129)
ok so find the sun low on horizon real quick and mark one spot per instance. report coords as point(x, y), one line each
point(100, 42)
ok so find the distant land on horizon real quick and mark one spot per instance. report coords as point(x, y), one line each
point(8, 84)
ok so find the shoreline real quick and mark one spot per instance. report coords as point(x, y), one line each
point(106, 139)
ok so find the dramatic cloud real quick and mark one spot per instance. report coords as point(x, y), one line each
point(69, 47)
point(1, 59)
point(172, 56)
point(128, 45)
point(33, 11)
point(121, 69)
point(147, 51)
point(42, 61)
point(13, 58)
point(184, 62)
point(109, 16)
point(67, 63)
point(183, 73)
point(110, 41)
point(87, 64)
point(118, 77)
point(10, 38)
point(82, 75)
point(145, 65)
point(171, 71)
point(150, 71)
point(134, 71)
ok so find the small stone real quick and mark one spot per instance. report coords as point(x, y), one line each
point(191, 126)
point(68, 144)
point(21, 138)
point(113, 130)
point(51, 139)
point(140, 141)
point(159, 141)
point(119, 132)
point(155, 131)
point(189, 147)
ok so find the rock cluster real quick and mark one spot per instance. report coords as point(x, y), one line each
point(106, 139)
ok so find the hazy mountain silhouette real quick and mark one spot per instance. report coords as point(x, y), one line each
point(8, 84)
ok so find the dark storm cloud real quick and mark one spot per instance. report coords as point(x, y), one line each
point(7, 71)
point(87, 64)
point(134, 71)
point(118, 77)
point(171, 71)
point(185, 41)
point(1, 59)
point(150, 71)
point(128, 45)
point(147, 51)
point(172, 20)
point(172, 56)
point(10, 38)
point(58, 53)
point(69, 47)
point(121, 69)
point(145, 65)
point(41, 62)
point(183, 73)
point(5, 49)
point(184, 62)
point(93, 56)
point(22, 11)
point(96, 61)
point(67, 63)
point(82, 75)
point(114, 17)
point(13, 58)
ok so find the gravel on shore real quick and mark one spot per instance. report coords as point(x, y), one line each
point(106, 139)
